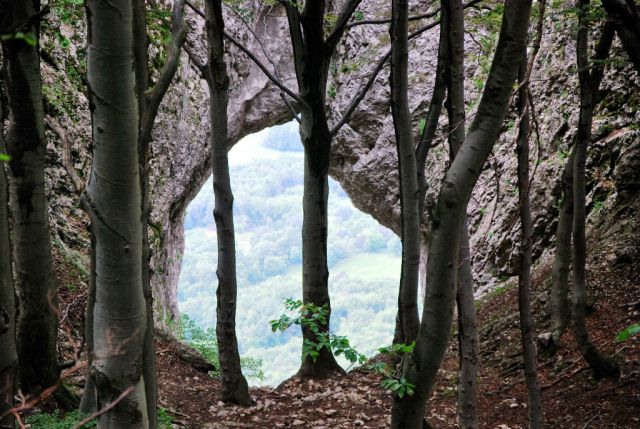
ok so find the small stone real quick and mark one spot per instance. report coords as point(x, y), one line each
point(297, 422)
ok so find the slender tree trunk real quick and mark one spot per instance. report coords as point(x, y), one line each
point(560, 308)
point(435, 328)
point(536, 416)
point(602, 366)
point(311, 58)
point(468, 342)
point(88, 403)
point(38, 321)
point(452, 25)
point(234, 385)
point(113, 198)
point(408, 319)
point(141, 59)
point(315, 290)
point(624, 14)
point(8, 352)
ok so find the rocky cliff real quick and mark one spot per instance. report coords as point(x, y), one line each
point(363, 154)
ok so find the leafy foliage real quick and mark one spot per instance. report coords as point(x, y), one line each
point(315, 319)
point(205, 341)
point(55, 420)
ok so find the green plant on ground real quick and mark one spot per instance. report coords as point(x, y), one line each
point(314, 318)
point(628, 332)
point(165, 421)
point(56, 420)
point(205, 341)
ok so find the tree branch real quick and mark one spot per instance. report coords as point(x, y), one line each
point(411, 18)
point(200, 65)
point(153, 97)
point(295, 32)
point(372, 77)
point(341, 24)
point(67, 163)
point(248, 52)
point(264, 69)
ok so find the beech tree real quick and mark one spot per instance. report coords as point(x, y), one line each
point(8, 353)
point(312, 53)
point(150, 95)
point(560, 307)
point(234, 385)
point(37, 325)
point(449, 214)
point(408, 320)
point(113, 201)
point(602, 366)
point(452, 28)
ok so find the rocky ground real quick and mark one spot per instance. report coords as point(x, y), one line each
point(572, 397)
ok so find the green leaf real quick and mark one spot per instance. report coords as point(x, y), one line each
point(5, 157)
point(421, 125)
point(628, 332)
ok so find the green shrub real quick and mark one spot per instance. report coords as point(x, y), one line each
point(204, 340)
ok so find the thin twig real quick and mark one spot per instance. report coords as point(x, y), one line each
point(105, 409)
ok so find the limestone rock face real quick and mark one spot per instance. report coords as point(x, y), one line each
point(363, 155)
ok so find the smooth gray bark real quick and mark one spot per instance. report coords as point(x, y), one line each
point(602, 365)
point(312, 54)
point(408, 319)
point(452, 25)
point(38, 305)
point(8, 352)
point(559, 297)
point(113, 199)
point(149, 100)
point(88, 402)
point(468, 340)
point(536, 417)
point(435, 328)
point(560, 306)
point(234, 385)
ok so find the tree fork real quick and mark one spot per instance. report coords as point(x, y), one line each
point(435, 328)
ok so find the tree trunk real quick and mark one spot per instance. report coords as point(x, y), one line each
point(113, 198)
point(625, 16)
point(315, 271)
point(38, 321)
point(435, 328)
point(452, 25)
point(88, 403)
point(560, 308)
point(408, 319)
point(8, 353)
point(141, 61)
point(312, 56)
point(234, 385)
point(468, 342)
point(602, 366)
point(536, 417)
